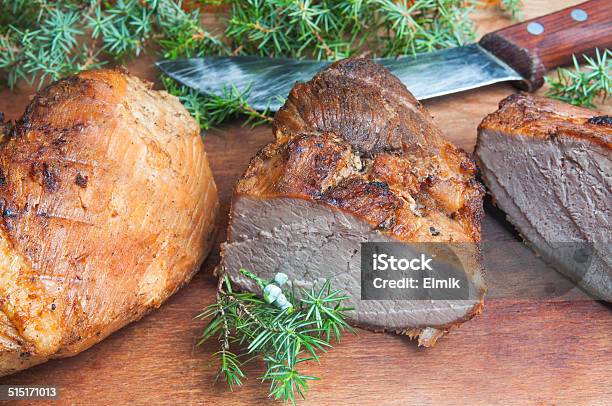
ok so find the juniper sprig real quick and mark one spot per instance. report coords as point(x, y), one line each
point(583, 86)
point(43, 40)
point(512, 7)
point(329, 29)
point(282, 331)
point(210, 110)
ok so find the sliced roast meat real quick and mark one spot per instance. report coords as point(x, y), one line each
point(356, 159)
point(548, 166)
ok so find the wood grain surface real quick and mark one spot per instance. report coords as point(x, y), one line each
point(518, 352)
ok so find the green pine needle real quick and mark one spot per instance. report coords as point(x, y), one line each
point(583, 86)
point(43, 40)
point(281, 339)
point(329, 29)
point(229, 368)
point(513, 8)
point(209, 111)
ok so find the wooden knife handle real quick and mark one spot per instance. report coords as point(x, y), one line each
point(544, 43)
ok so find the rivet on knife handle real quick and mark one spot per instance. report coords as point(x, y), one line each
point(544, 43)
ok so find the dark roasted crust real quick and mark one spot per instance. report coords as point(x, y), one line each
point(356, 139)
point(362, 103)
point(538, 117)
point(371, 200)
point(311, 163)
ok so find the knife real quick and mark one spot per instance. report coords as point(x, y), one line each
point(521, 53)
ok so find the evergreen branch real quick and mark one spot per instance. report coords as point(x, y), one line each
point(512, 7)
point(282, 337)
point(229, 368)
point(182, 35)
point(582, 86)
point(332, 30)
point(43, 40)
point(209, 111)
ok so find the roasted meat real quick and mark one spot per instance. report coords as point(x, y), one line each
point(356, 159)
point(548, 166)
point(107, 207)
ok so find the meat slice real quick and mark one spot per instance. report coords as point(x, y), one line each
point(548, 166)
point(356, 159)
point(107, 207)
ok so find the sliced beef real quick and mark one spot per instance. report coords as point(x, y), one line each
point(548, 165)
point(356, 159)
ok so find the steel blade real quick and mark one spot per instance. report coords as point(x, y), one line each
point(268, 81)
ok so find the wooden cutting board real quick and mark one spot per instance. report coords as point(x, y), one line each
point(517, 352)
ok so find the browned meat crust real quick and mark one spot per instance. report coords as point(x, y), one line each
point(354, 138)
point(107, 207)
point(538, 117)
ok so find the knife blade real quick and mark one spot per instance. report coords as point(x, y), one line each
point(520, 53)
point(266, 81)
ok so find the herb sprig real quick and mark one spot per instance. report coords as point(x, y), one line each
point(214, 109)
point(43, 40)
point(512, 7)
point(284, 335)
point(583, 85)
point(330, 29)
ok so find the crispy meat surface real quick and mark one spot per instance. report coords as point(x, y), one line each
point(107, 207)
point(355, 140)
